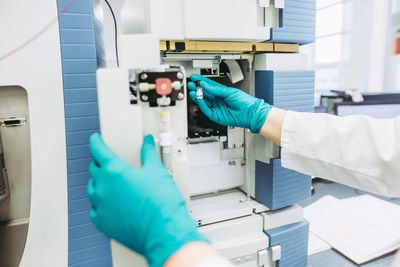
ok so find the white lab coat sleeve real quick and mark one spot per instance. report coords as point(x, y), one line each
point(357, 151)
point(215, 262)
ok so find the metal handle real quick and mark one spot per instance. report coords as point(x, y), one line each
point(12, 121)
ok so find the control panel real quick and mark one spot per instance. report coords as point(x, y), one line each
point(161, 89)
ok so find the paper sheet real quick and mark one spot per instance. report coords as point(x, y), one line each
point(316, 244)
point(362, 228)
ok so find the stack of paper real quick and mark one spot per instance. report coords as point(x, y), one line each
point(361, 228)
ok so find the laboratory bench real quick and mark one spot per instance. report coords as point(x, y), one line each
point(332, 258)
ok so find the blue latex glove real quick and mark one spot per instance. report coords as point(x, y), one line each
point(229, 106)
point(140, 208)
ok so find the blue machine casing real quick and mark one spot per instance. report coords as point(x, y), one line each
point(293, 239)
point(297, 23)
point(291, 90)
point(277, 187)
point(86, 245)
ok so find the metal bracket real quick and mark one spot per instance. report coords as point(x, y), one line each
point(12, 122)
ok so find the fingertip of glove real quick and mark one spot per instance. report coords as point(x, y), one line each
point(95, 141)
point(90, 191)
point(193, 95)
point(191, 86)
point(148, 140)
point(93, 216)
point(195, 77)
point(95, 138)
point(203, 84)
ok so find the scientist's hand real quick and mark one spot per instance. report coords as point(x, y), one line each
point(140, 208)
point(229, 106)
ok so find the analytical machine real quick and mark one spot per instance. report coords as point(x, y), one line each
point(233, 182)
point(234, 185)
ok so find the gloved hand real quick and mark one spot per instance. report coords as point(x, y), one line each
point(229, 106)
point(140, 208)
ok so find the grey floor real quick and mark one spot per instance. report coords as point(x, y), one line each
point(331, 258)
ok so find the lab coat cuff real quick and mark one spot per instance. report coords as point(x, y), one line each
point(287, 139)
point(287, 130)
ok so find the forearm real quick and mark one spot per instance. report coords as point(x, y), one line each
point(196, 254)
point(272, 128)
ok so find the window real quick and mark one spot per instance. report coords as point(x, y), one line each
point(328, 55)
point(332, 30)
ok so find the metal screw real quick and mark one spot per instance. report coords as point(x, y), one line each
point(179, 75)
point(144, 97)
point(181, 96)
point(143, 76)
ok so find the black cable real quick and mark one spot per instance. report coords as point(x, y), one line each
point(115, 31)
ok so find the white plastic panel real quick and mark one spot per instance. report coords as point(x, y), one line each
point(138, 51)
point(280, 62)
point(121, 130)
point(228, 20)
point(223, 206)
point(235, 137)
point(120, 122)
point(236, 238)
point(265, 258)
point(208, 173)
point(280, 3)
point(265, 149)
point(277, 218)
point(167, 19)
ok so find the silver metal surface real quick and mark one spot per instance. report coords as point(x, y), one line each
point(144, 97)
point(143, 76)
point(16, 157)
point(12, 242)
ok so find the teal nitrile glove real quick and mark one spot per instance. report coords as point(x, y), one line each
point(229, 106)
point(140, 208)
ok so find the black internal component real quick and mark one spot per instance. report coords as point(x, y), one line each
point(199, 125)
point(3, 189)
point(133, 92)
